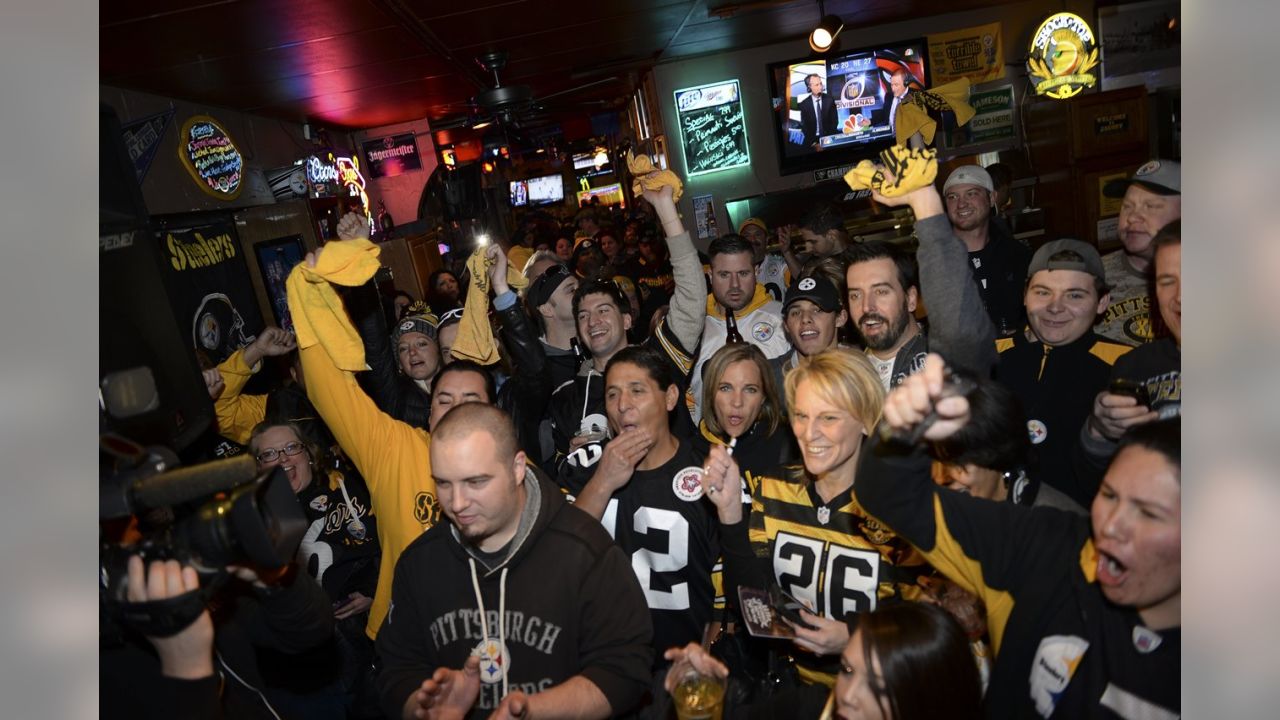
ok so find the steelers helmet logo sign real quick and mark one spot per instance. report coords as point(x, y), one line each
point(493, 658)
point(687, 484)
point(807, 284)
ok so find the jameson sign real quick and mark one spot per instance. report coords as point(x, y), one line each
point(993, 115)
point(391, 155)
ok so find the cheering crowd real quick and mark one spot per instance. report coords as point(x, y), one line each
point(538, 491)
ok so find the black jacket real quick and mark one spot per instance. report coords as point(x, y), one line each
point(393, 392)
point(1056, 386)
point(1001, 271)
point(573, 607)
point(526, 393)
point(291, 618)
point(1064, 651)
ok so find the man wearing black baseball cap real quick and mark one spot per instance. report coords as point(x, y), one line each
point(812, 315)
point(1152, 199)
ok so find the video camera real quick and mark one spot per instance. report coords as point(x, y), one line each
point(222, 513)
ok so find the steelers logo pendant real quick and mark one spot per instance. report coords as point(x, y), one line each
point(687, 484)
point(1038, 431)
point(493, 658)
point(357, 529)
point(824, 515)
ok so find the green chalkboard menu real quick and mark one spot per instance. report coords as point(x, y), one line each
point(712, 127)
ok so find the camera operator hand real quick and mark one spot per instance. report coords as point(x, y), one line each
point(187, 655)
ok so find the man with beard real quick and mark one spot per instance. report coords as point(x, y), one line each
point(1152, 199)
point(999, 262)
point(885, 284)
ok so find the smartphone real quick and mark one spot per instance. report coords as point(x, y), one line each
point(1131, 388)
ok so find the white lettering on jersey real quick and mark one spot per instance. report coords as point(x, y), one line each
point(645, 561)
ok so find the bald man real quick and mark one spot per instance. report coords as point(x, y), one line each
point(566, 631)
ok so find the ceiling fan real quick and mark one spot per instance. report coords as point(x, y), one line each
point(512, 106)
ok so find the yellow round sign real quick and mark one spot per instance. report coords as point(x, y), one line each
point(1063, 52)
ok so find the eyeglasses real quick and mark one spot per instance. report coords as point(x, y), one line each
point(272, 454)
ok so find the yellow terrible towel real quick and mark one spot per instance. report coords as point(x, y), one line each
point(907, 170)
point(318, 314)
point(647, 177)
point(914, 117)
point(475, 336)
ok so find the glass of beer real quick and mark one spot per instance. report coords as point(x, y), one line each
point(699, 696)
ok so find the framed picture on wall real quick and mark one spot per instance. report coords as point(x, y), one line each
point(1141, 44)
point(276, 259)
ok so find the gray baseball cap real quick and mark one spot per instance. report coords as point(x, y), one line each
point(1162, 177)
point(969, 175)
point(1090, 262)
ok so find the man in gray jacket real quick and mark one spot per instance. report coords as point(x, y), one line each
point(885, 284)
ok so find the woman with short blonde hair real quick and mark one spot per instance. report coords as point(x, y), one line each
point(806, 533)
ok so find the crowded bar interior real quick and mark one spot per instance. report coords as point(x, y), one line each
point(675, 358)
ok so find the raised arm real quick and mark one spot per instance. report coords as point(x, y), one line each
point(959, 327)
point(373, 440)
point(689, 301)
point(986, 547)
point(238, 413)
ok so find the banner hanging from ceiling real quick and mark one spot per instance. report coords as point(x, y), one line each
point(142, 139)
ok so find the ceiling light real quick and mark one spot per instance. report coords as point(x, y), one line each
point(482, 124)
point(823, 37)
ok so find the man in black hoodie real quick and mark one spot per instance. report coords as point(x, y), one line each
point(529, 586)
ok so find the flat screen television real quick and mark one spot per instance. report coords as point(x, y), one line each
point(546, 189)
point(609, 194)
point(519, 193)
point(857, 84)
point(584, 165)
point(537, 191)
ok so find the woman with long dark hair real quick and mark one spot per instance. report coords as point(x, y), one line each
point(906, 661)
point(743, 407)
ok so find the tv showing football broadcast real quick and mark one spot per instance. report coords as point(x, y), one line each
point(833, 110)
point(546, 189)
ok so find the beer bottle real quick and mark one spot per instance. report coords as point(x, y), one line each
point(731, 325)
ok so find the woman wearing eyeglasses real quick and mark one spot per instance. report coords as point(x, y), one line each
point(340, 550)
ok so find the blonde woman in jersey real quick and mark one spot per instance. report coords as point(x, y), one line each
point(806, 532)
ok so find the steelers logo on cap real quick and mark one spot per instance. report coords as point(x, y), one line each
point(807, 284)
point(1147, 169)
point(406, 325)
